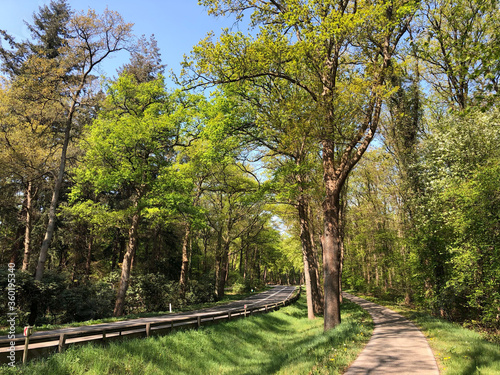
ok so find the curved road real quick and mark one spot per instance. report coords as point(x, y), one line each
point(396, 347)
point(276, 294)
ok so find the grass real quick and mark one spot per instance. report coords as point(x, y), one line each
point(228, 297)
point(282, 342)
point(458, 351)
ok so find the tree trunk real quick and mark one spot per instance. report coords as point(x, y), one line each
point(89, 256)
point(331, 239)
point(341, 270)
point(27, 231)
point(55, 199)
point(310, 263)
point(126, 265)
point(219, 267)
point(309, 298)
point(222, 270)
point(316, 263)
point(185, 260)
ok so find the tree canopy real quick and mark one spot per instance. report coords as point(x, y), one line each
point(340, 143)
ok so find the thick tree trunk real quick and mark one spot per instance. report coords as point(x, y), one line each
point(331, 239)
point(126, 265)
point(185, 260)
point(310, 262)
point(27, 231)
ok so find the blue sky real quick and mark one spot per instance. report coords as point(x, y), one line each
point(177, 24)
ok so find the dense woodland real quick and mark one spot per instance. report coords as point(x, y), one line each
point(340, 143)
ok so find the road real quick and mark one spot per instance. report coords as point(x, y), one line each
point(275, 294)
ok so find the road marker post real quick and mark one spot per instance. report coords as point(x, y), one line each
point(27, 333)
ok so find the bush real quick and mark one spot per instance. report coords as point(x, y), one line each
point(88, 301)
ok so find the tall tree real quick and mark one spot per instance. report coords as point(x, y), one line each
point(128, 153)
point(145, 61)
point(93, 38)
point(339, 53)
point(28, 121)
point(458, 43)
point(278, 124)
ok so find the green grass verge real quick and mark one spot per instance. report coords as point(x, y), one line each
point(282, 342)
point(458, 350)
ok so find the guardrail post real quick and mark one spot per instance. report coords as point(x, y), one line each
point(104, 336)
point(199, 321)
point(148, 329)
point(229, 315)
point(62, 342)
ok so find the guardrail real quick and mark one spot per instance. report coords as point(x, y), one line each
point(48, 343)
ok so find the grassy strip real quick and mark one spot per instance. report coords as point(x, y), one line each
point(282, 342)
point(457, 350)
point(228, 297)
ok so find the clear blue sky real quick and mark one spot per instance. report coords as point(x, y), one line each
point(177, 24)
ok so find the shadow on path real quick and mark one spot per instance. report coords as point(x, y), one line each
point(396, 347)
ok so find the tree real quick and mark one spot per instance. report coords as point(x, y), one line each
point(460, 150)
point(458, 43)
point(129, 149)
point(145, 63)
point(233, 208)
point(93, 39)
point(339, 53)
point(29, 121)
point(27, 154)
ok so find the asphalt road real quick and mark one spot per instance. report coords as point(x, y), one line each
point(276, 294)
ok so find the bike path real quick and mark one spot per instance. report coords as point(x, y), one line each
point(396, 347)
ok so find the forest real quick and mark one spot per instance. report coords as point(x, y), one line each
point(339, 144)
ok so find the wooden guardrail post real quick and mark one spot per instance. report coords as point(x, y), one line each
point(104, 336)
point(199, 321)
point(148, 329)
point(62, 342)
point(229, 315)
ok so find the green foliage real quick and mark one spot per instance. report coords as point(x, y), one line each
point(66, 301)
point(458, 220)
point(155, 292)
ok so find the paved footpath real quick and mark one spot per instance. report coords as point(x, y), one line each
point(396, 347)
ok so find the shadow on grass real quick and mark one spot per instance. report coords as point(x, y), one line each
point(467, 352)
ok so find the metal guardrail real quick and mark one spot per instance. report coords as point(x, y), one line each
point(50, 343)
